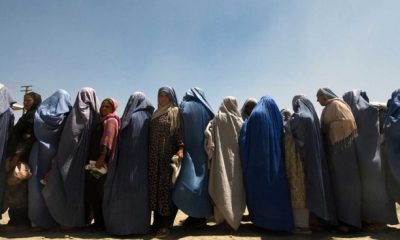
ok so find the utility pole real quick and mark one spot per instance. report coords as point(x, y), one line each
point(25, 89)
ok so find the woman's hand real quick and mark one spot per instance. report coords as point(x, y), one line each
point(100, 163)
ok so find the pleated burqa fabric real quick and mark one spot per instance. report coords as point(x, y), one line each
point(48, 124)
point(305, 128)
point(64, 193)
point(126, 207)
point(190, 192)
point(6, 124)
point(392, 141)
point(226, 186)
point(376, 206)
point(264, 171)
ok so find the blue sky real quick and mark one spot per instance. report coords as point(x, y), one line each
point(239, 48)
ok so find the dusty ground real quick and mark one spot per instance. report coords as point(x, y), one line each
point(223, 232)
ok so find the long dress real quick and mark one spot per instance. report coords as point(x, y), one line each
point(49, 122)
point(226, 185)
point(376, 206)
point(64, 193)
point(164, 143)
point(261, 151)
point(126, 196)
point(190, 192)
point(296, 178)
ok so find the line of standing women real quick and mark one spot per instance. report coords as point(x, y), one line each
point(298, 175)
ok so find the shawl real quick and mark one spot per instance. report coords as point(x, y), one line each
point(338, 123)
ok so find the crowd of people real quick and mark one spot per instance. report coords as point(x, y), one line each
point(78, 164)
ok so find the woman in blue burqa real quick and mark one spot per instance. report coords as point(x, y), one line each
point(377, 209)
point(339, 130)
point(304, 126)
point(64, 193)
point(190, 192)
point(266, 185)
point(6, 124)
point(165, 142)
point(391, 130)
point(49, 122)
point(19, 148)
point(126, 207)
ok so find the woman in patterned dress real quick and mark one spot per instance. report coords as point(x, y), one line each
point(165, 142)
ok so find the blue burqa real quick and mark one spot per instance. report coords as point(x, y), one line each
point(65, 190)
point(48, 124)
point(376, 206)
point(261, 151)
point(190, 192)
point(392, 141)
point(305, 127)
point(6, 124)
point(126, 196)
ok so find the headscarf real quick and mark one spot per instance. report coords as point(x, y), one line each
point(328, 93)
point(37, 100)
point(137, 102)
point(243, 109)
point(171, 109)
point(112, 102)
point(6, 101)
point(337, 121)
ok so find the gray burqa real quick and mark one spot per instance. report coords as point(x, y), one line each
point(376, 206)
point(126, 196)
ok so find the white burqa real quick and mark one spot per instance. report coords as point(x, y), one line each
point(226, 186)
